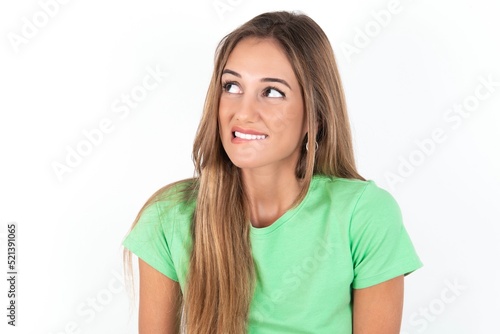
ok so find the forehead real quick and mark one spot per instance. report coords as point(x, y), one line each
point(260, 56)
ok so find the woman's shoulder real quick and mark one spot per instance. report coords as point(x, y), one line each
point(176, 198)
point(336, 183)
point(179, 191)
point(361, 202)
point(351, 189)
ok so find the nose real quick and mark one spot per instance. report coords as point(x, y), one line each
point(248, 109)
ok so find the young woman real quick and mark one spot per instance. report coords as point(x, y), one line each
point(277, 233)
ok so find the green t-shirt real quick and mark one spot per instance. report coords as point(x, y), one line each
point(346, 234)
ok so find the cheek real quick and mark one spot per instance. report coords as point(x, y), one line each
point(279, 120)
point(287, 119)
point(222, 115)
point(224, 111)
point(224, 120)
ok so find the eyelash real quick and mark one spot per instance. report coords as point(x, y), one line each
point(276, 89)
point(226, 83)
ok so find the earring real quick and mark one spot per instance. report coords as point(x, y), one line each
point(315, 146)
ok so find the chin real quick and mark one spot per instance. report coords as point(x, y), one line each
point(246, 158)
point(244, 164)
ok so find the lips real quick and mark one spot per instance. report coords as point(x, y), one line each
point(247, 134)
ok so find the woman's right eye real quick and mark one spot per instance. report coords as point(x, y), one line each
point(231, 87)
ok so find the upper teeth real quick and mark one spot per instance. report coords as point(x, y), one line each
point(248, 136)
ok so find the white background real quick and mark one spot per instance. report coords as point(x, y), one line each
point(402, 84)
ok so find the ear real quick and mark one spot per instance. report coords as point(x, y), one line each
point(305, 130)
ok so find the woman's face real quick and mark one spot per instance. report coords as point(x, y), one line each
point(261, 110)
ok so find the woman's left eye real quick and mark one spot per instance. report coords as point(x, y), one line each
point(273, 92)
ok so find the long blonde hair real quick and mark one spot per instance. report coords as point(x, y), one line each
point(221, 277)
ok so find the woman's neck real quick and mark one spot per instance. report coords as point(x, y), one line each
point(270, 194)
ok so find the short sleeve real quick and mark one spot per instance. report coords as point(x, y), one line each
point(380, 245)
point(148, 241)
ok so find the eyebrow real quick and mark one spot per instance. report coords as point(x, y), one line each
point(236, 74)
